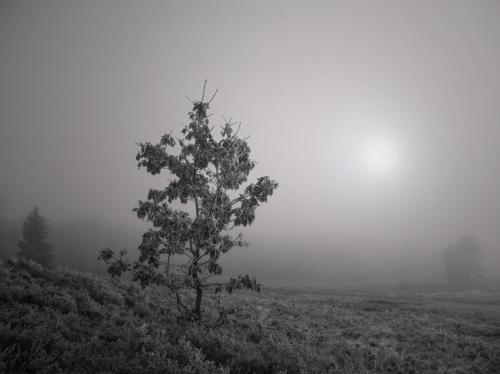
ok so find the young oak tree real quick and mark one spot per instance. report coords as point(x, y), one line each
point(182, 251)
point(34, 246)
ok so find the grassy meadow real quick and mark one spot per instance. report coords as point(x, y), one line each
point(61, 321)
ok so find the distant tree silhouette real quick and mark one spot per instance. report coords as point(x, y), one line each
point(206, 171)
point(33, 245)
point(462, 260)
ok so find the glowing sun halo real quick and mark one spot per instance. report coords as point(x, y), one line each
point(380, 155)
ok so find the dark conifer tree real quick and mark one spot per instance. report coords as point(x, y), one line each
point(33, 245)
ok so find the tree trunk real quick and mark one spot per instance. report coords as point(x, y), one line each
point(197, 310)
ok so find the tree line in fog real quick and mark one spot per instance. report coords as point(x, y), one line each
point(76, 242)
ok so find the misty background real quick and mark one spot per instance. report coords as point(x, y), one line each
point(83, 81)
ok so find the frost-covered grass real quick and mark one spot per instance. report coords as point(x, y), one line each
point(55, 321)
point(385, 331)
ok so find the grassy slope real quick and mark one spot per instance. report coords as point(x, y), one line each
point(60, 321)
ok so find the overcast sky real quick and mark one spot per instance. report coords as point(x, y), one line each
point(312, 82)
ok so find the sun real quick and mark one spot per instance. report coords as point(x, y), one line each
point(380, 155)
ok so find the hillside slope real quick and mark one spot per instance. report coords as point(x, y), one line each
point(55, 321)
